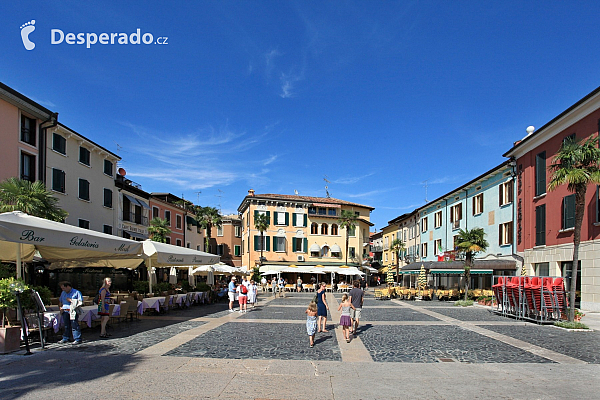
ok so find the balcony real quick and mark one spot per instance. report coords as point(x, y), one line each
point(135, 218)
point(376, 249)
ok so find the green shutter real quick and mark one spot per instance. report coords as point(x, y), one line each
point(294, 219)
point(287, 219)
point(305, 248)
point(275, 243)
point(256, 243)
point(540, 173)
point(268, 243)
point(569, 212)
point(305, 220)
point(268, 217)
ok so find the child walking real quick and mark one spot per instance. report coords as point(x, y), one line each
point(311, 322)
point(345, 320)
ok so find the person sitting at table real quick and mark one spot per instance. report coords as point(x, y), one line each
point(69, 298)
point(103, 306)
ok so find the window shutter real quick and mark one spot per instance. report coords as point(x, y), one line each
point(511, 192)
point(540, 173)
point(500, 235)
point(268, 217)
point(255, 214)
point(268, 243)
point(294, 219)
point(460, 211)
point(275, 218)
point(451, 214)
point(305, 247)
point(569, 212)
point(256, 242)
point(293, 244)
point(509, 235)
point(275, 243)
point(305, 220)
point(287, 219)
point(500, 194)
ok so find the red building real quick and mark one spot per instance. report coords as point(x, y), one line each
point(166, 206)
point(545, 219)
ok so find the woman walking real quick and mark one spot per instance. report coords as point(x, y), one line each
point(103, 306)
point(252, 293)
point(322, 308)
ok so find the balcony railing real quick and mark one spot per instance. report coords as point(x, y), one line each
point(376, 248)
point(135, 218)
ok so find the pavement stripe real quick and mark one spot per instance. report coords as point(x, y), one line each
point(531, 348)
point(355, 351)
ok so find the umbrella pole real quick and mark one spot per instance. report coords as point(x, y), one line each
point(18, 260)
point(149, 275)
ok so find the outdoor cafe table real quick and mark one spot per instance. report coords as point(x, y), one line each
point(152, 302)
point(89, 313)
point(178, 298)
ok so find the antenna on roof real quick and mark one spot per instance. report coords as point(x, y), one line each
point(327, 186)
point(425, 184)
point(198, 196)
point(219, 196)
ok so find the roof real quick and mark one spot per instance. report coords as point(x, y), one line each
point(91, 141)
point(551, 122)
point(477, 264)
point(23, 100)
point(401, 217)
point(305, 199)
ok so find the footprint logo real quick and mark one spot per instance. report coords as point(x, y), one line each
point(26, 29)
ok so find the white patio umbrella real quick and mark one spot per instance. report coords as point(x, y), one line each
point(173, 276)
point(210, 278)
point(62, 245)
point(165, 255)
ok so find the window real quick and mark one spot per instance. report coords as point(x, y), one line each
point(456, 215)
point(506, 193)
point(238, 231)
point(220, 249)
point(570, 138)
point(437, 247)
point(424, 250)
point(299, 220)
point(84, 156)
point(568, 212)
point(540, 225)
point(155, 212)
point(334, 229)
point(299, 245)
point(279, 243)
point(108, 168)
point(58, 180)
point(59, 144)
point(356, 213)
point(455, 241)
point(324, 229)
point(107, 229)
point(220, 230)
point(168, 239)
point(27, 167)
point(478, 203)
point(314, 228)
point(199, 248)
point(352, 231)
point(108, 198)
point(542, 269)
point(424, 225)
point(188, 245)
point(505, 233)
point(168, 216)
point(322, 211)
point(28, 130)
point(567, 271)
point(84, 223)
point(351, 252)
point(237, 250)
point(179, 220)
point(281, 218)
point(540, 174)
point(264, 246)
point(386, 257)
point(312, 210)
point(332, 212)
point(84, 190)
point(437, 222)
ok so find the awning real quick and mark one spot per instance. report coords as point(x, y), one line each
point(191, 220)
point(327, 205)
point(336, 249)
point(143, 204)
point(136, 235)
point(445, 271)
point(315, 248)
point(139, 202)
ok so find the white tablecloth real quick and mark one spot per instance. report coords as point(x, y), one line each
point(152, 302)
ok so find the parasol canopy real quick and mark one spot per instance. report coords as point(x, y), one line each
point(422, 279)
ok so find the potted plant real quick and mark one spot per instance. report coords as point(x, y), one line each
point(10, 336)
point(578, 315)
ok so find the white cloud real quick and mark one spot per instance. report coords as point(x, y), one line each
point(270, 160)
point(350, 180)
point(45, 103)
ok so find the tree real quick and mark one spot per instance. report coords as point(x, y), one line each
point(397, 247)
point(347, 220)
point(207, 217)
point(261, 223)
point(31, 198)
point(576, 164)
point(159, 229)
point(469, 243)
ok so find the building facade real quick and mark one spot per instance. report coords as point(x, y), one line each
point(226, 240)
point(302, 230)
point(170, 208)
point(546, 219)
point(134, 210)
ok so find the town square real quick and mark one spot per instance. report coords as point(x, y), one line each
point(299, 199)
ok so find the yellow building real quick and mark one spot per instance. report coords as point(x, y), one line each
point(406, 228)
point(303, 231)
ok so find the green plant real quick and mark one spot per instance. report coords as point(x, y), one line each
point(469, 243)
point(161, 287)
point(7, 271)
point(32, 198)
point(463, 303)
point(27, 302)
point(140, 286)
point(571, 325)
point(347, 221)
point(579, 314)
point(256, 274)
point(185, 285)
point(7, 295)
point(159, 229)
point(202, 287)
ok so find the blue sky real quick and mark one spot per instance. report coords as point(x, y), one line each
point(277, 95)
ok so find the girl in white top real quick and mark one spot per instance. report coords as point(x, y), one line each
point(252, 292)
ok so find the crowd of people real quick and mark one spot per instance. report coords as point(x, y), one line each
point(244, 292)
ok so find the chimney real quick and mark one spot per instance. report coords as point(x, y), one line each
point(251, 192)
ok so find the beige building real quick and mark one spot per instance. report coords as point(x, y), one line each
point(302, 231)
point(406, 228)
point(80, 174)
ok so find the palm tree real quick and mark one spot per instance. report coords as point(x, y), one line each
point(159, 229)
point(261, 223)
point(31, 198)
point(207, 217)
point(348, 221)
point(576, 164)
point(469, 243)
point(397, 247)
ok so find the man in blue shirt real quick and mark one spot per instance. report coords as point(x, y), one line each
point(231, 293)
point(66, 297)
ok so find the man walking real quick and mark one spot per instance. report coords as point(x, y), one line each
point(231, 293)
point(356, 297)
point(263, 284)
point(70, 300)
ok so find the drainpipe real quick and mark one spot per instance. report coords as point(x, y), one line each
point(43, 150)
point(466, 211)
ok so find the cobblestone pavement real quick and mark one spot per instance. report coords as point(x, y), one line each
point(247, 340)
point(582, 345)
point(394, 314)
point(468, 313)
point(274, 312)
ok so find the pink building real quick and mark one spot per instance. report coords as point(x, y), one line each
point(164, 205)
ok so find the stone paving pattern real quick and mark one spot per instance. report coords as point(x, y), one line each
point(394, 314)
point(581, 345)
point(274, 312)
point(248, 340)
point(468, 314)
point(418, 344)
